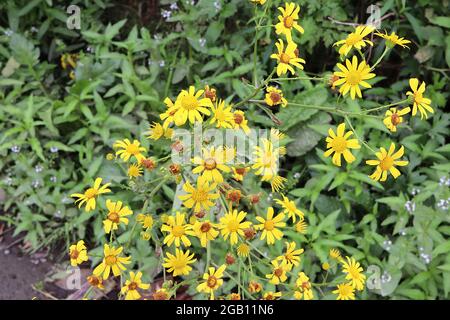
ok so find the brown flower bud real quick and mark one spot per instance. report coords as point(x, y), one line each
point(177, 146)
point(234, 195)
point(229, 259)
point(200, 214)
point(148, 164)
point(175, 169)
point(249, 233)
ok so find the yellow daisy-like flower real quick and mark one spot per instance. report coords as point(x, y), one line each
point(243, 250)
point(303, 287)
point(352, 76)
point(261, 2)
point(288, 20)
point(291, 257)
point(213, 280)
point(232, 225)
point(90, 194)
point(266, 160)
point(392, 39)
point(200, 196)
point(178, 230)
point(278, 274)
point(335, 254)
point(270, 225)
point(355, 39)
point(190, 105)
point(277, 183)
point(116, 215)
point(301, 227)
point(134, 171)
point(339, 144)
point(111, 261)
point(161, 294)
point(271, 295)
point(156, 131)
point(386, 163)
point(354, 273)
point(205, 231)
point(128, 150)
point(78, 253)
point(345, 291)
point(95, 281)
point(239, 173)
point(168, 115)
point(240, 122)
point(145, 220)
point(254, 287)
point(290, 208)
point(287, 57)
point(275, 97)
point(394, 118)
point(420, 102)
point(222, 115)
point(132, 285)
point(179, 263)
point(212, 163)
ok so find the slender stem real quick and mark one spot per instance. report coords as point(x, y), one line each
point(356, 135)
point(385, 106)
point(380, 58)
point(238, 284)
point(257, 89)
point(299, 78)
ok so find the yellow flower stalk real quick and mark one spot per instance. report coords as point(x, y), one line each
point(355, 40)
point(116, 215)
point(288, 20)
point(213, 280)
point(352, 76)
point(232, 225)
point(112, 261)
point(177, 230)
point(130, 289)
point(91, 194)
point(179, 263)
point(340, 144)
point(420, 102)
point(386, 162)
point(270, 226)
point(78, 253)
point(287, 57)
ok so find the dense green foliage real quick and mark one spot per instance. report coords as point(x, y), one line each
point(54, 130)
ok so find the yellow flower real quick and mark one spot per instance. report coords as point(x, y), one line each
point(335, 254)
point(200, 196)
point(239, 172)
point(303, 287)
point(111, 261)
point(325, 266)
point(355, 39)
point(291, 257)
point(239, 121)
point(212, 163)
point(231, 225)
point(145, 220)
point(222, 115)
point(288, 20)
point(345, 292)
point(271, 295)
point(254, 287)
point(270, 225)
point(354, 273)
point(129, 149)
point(234, 296)
point(116, 215)
point(393, 39)
point(90, 194)
point(287, 58)
point(213, 280)
point(205, 231)
point(278, 274)
point(421, 103)
point(352, 76)
point(161, 294)
point(179, 263)
point(95, 281)
point(134, 171)
point(156, 131)
point(261, 2)
point(275, 97)
point(78, 253)
point(301, 227)
point(394, 118)
point(168, 115)
point(386, 163)
point(277, 183)
point(131, 286)
point(243, 250)
point(290, 208)
point(177, 229)
point(339, 144)
point(190, 105)
point(266, 160)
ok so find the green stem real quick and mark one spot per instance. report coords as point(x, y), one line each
point(356, 135)
point(299, 78)
point(257, 90)
point(385, 106)
point(380, 58)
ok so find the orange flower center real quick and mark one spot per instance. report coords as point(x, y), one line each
point(288, 22)
point(275, 97)
point(114, 217)
point(74, 254)
point(111, 260)
point(178, 231)
point(395, 119)
point(386, 163)
point(285, 58)
point(211, 282)
point(240, 171)
point(269, 225)
point(205, 227)
point(339, 144)
point(238, 118)
point(278, 272)
point(90, 193)
point(132, 286)
point(133, 149)
point(210, 164)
